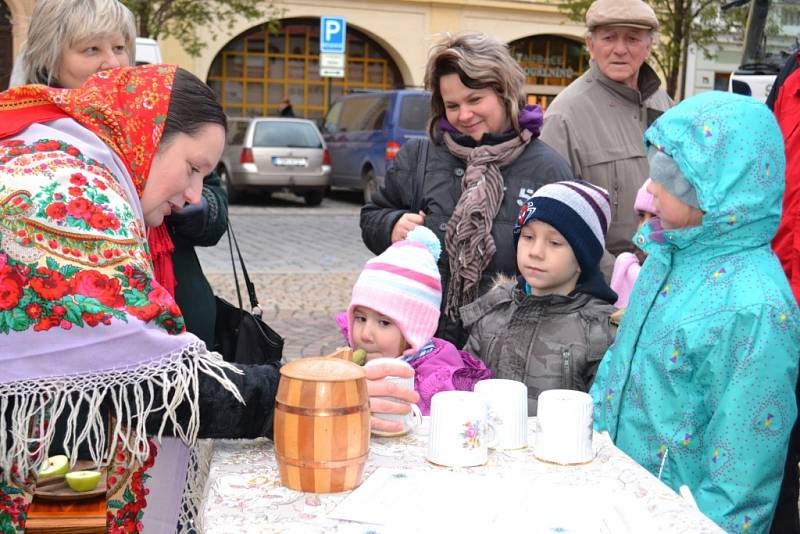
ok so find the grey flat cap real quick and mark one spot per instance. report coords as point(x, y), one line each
point(632, 13)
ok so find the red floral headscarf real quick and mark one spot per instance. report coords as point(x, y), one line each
point(126, 108)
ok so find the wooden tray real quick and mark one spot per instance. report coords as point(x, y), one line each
point(56, 488)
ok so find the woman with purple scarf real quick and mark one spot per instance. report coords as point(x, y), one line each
point(482, 161)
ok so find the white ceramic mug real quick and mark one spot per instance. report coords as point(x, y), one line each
point(410, 420)
point(460, 433)
point(508, 410)
point(564, 427)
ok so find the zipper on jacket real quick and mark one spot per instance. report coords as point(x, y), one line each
point(491, 359)
point(566, 365)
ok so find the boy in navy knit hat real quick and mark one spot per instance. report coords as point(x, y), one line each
point(550, 327)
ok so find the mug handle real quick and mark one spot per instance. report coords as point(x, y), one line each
point(495, 435)
point(416, 416)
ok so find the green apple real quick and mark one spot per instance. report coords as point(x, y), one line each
point(359, 356)
point(54, 466)
point(83, 480)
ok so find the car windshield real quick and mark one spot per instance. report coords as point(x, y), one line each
point(415, 112)
point(286, 134)
point(783, 26)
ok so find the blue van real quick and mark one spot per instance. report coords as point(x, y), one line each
point(365, 130)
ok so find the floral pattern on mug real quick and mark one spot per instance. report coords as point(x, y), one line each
point(495, 417)
point(472, 435)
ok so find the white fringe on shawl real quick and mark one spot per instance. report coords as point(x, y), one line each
point(131, 392)
point(190, 518)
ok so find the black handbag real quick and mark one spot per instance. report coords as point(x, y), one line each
point(241, 336)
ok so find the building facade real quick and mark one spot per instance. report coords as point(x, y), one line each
point(781, 34)
point(387, 45)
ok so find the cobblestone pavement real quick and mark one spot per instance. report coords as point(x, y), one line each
point(303, 262)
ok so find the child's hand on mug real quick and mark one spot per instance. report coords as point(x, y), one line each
point(378, 387)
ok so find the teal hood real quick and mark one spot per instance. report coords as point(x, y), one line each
point(738, 174)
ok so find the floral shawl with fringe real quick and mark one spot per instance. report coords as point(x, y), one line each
point(83, 323)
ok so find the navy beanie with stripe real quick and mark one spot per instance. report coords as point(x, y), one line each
point(580, 211)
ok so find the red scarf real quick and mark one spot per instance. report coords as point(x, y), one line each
point(126, 108)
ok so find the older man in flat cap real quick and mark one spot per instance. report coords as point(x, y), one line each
point(597, 123)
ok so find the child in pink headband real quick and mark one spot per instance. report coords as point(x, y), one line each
point(627, 265)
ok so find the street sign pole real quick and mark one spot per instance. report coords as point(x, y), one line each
point(332, 62)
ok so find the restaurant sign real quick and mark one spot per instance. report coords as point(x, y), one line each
point(541, 66)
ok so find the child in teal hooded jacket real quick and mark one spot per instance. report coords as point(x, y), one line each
point(699, 385)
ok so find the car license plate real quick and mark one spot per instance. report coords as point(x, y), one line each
point(289, 162)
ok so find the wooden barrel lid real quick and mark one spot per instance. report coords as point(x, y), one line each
point(323, 370)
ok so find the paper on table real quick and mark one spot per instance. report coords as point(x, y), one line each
point(403, 500)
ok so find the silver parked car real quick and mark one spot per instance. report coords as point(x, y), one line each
point(275, 154)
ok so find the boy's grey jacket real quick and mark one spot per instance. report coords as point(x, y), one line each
point(547, 342)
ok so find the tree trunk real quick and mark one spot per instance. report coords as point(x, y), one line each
point(684, 59)
point(143, 18)
point(682, 12)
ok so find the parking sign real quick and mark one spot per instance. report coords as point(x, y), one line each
point(332, 34)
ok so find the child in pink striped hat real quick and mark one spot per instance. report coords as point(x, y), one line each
point(394, 312)
point(628, 264)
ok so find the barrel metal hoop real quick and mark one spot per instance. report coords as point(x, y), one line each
point(325, 464)
point(317, 412)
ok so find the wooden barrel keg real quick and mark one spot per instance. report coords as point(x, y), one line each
point(321, 425)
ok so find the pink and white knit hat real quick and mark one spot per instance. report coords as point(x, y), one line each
point(403, 283)
point(644, 200)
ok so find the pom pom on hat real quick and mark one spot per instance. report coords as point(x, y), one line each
point(424, 235)
point(403, 283)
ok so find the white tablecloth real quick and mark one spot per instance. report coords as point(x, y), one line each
point(244, 492)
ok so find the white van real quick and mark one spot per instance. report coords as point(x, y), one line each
point(147, 51)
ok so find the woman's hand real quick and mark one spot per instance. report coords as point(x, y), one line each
point(405, 224)
point(378, 387)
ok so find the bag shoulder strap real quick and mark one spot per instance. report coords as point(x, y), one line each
point(419, 176)
point(251, 288)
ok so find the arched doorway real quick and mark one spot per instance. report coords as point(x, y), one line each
point(6, 45)
point(550, 62)
point(256, 70)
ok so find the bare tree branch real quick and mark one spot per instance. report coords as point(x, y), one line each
point(181, 18)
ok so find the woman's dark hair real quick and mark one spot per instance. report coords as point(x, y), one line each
point(192, 106)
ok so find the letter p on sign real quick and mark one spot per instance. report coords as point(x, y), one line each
point(332, 34)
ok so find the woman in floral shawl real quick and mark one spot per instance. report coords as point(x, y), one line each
point(84, 326)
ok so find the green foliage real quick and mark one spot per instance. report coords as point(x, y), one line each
point(181, 18)
point(683, 23)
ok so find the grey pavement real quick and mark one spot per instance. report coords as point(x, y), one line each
point(303, 262)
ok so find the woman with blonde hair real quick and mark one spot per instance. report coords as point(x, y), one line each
point(467, 183)
point(69, 40)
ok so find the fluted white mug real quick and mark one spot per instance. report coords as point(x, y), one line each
point(564, 421)
point(508, 410)
point(460, 433)
point(409, 420)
